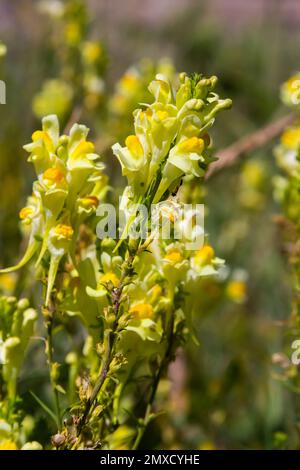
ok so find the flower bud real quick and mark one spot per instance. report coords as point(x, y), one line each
point(34, 445)
point(23, 304)
point(108, 243)
point(58, 440)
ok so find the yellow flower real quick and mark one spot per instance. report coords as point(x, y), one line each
point(236, 291)
point(156, 293)
point(110, 277)
point(92, 51)
point(129, 82)
point(290, 90)
point(160, 89)
point(43, 135)
point(119, 103)
point(72, 33)
point(8, 445)
point(134, 145)
point(55, 97)
point(26, 212)
point(148, 113)
point(7, 281)
point(193, 144)
point(142, 310)
point(162, 114)
point(64, 231)
point(174, 256)
point(291, 138)
point(82, 149)
point(90, 201)
point(253, 174)
point(205, 255)
point(53, 175)
point(293, 83)
point(207, 445)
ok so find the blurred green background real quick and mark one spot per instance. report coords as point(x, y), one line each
point(224, 393)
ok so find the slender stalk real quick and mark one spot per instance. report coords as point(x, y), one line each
point(163, 365)
point(98, 385)
point(49, 350)
point(249, 143)
point(116, 302)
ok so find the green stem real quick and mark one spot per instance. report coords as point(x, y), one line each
point(163, 365)
point(99, 383)
point(116, 301)
point(50, 363)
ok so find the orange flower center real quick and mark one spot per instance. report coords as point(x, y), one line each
point(64, 231)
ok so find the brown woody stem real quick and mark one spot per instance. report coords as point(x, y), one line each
point(251, 142)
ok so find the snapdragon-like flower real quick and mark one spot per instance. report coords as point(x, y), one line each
point(109, 276)
point(290, 91)
point(287, 151)
point(132, 89)
point(287, 154)
point(70, 183)
point(17, 323)
point(55, 96)
point(204, 263)
point(171, 138)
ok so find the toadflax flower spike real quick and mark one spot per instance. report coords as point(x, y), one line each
point(69, 185)
point(170, 140)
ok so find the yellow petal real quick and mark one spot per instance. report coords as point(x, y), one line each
point(129, 82)
point(142, 310)
point(82, 149)
point(193, 144)
point(63, 230)
point(90, 201)
point(110, 277)
point(134, 146)
point(25, 212)
point(37, 135)
point(8, 445)
point(293, 83)
point(54, 175)
point(174, 256)
point(162, 115)
point(205, 255)
point(236, 290)
point(291, 138)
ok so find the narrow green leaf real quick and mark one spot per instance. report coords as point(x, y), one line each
point(60, 389)
point(44, 406)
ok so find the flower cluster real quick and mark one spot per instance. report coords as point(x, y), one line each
point(171, 139)
point(290, 91)
point(17, 324)
point(287, 154)
point(70, 182)
point(132, 89)
point(286, 188)
point(135, 298)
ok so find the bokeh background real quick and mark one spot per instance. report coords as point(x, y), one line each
point(224, 392)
